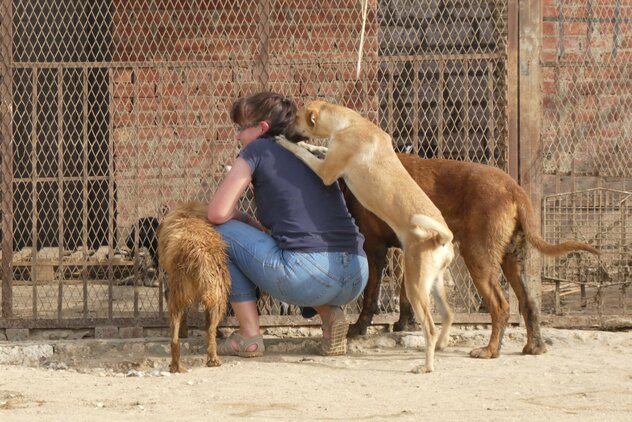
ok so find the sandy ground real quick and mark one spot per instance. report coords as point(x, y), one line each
point(586, 375)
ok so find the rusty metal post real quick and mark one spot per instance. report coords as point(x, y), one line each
point(512, 88)
point(263, 32)
point(6, 146)
point(530, 112)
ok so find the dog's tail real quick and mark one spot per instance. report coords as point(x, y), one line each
point(531, 232)
point(424, 224)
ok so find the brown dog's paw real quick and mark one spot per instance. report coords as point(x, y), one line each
point(356, 329)
point(405, 325)
point(534, 349)
point(211, 362)
point(176, 368)
point(484, 353)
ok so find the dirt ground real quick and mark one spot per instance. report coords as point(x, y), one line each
point(586, 375)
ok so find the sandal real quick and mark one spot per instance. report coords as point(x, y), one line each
point(335, 328)
point(225, 346)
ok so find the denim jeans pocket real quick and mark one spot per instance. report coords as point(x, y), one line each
point(324, 268)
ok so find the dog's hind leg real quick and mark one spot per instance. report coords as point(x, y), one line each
point(215, 312)
point(376, 253)
point(528, 306)
point(418, 280)
point(406, 321)
point(447, 315)
point(175, 315)
point(486, 281)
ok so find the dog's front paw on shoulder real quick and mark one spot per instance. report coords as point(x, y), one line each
point(280, 139)
point(284, 142)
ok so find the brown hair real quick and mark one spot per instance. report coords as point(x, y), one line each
point(276, 109)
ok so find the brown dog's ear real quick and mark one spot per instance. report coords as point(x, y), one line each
point(312, 117)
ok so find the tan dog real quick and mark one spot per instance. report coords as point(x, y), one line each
point(193, 254)
point(492, 219)
point(362, 153)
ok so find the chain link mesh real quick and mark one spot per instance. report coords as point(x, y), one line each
point(587, 153)
point(119, 109)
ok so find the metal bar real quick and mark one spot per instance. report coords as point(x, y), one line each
point(263, 32)
point(467, 107)
point(84, 168)
point(512, 90)
point(561, 21)
point(558, 306)
point(389, 92)
point(322, 58)
point(416, 147)
point(617, 19)
point(34, 187)
point(60, 188)
point(617, 28)
point(491, 121)
point(440, 111)
point(54, 179)
point(160, 89)
point(6, 147)
point(111, 199)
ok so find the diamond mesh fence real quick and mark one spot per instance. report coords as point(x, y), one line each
point(113, 111)
point(587, 153)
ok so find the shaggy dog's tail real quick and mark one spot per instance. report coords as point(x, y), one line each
point(424, 224)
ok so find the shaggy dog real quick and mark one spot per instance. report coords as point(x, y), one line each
point(492, 219)
point(193, 254)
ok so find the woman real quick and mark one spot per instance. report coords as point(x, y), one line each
point(312, 256)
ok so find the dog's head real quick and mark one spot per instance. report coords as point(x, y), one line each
point(316, 119)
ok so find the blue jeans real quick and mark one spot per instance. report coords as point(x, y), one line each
point(299, 278)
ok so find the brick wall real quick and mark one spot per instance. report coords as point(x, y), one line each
point(587, 93)
point(179, 65)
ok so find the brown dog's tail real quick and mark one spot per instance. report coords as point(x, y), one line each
point(424, 224)
point(531, 232)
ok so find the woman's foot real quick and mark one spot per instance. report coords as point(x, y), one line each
point(236, 345)
point(335, 327)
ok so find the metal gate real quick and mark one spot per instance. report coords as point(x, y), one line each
point(587, 155)
point(113, 110)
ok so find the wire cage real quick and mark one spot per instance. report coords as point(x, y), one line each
point(602, 218)
point(113, 111)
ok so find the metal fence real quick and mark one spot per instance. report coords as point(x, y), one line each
point(113, 110)
point(587, 154)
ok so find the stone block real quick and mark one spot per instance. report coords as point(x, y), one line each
point(17, 334)
point(106, 332)
point(130, 332)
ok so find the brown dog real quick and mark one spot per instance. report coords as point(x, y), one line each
point(193, 254)
point(362, 153)
point(490, 216)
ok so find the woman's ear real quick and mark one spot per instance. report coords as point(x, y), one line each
point(264, 126)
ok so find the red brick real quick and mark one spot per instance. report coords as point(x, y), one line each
point(548, 87)
point(575, 28)
point(550, 29)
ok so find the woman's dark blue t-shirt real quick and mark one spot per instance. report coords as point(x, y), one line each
point(292, 201)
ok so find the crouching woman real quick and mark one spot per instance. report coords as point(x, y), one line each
point(305, 248)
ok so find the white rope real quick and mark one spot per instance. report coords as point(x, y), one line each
point(365, 8)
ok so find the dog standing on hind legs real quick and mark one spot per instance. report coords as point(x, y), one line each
point(362, 153)
point(193, 254)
